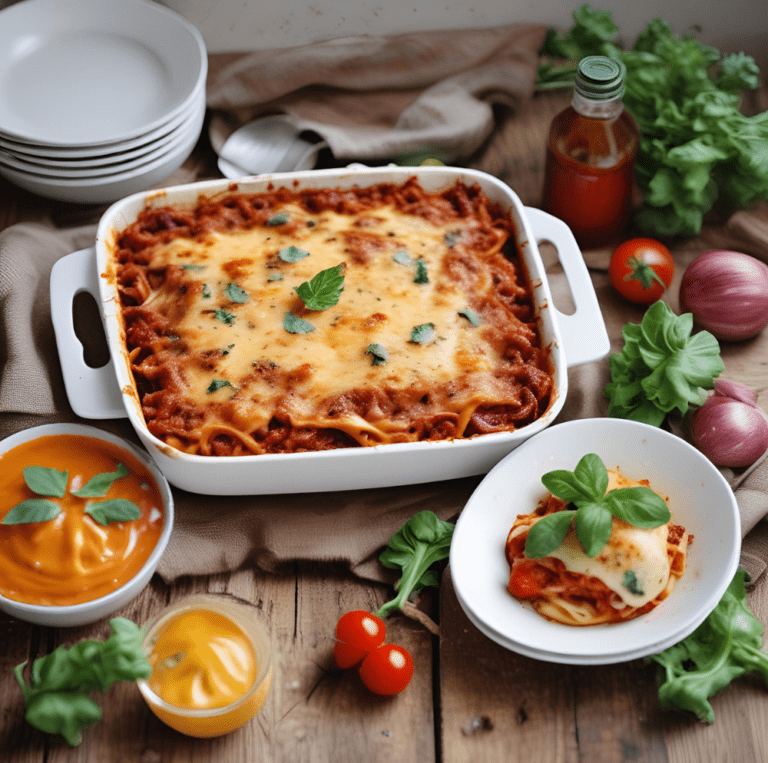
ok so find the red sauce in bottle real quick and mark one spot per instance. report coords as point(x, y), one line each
point(590, 166)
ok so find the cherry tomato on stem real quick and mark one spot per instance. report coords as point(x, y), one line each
point(641, 270)
point(357, 633)
point(387, 670)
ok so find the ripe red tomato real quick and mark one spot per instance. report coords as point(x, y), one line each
point(641, 270)
point(387, 670)
point(357, 633)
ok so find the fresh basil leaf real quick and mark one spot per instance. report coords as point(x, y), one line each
point(639, 506)
point(217, 384)
point(46, 481)
point(593, 527)
point(473, 317)
point(421, 272)
point(547, 534)
point(32, 510)
point(632, 584)
point(224, 316)
point(324, 290)
point(378, 353)
point(295, 325)
point(592, 476)
point(561, 483)
point(279, 218)
point(62, 712)
point(401, 257)
point(424, 333)
point(99, 484)
point(113, 510)
point(236, 294)
point(292, 254)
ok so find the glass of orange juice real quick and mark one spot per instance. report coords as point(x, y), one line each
point(211, 663)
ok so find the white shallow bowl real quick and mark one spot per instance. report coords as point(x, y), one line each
point(700, 500)
point(90, 611)
point(86, 72)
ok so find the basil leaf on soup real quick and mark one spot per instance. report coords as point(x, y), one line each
point(113, 510)
point(32, 510)
point(44, 480)
point(99, 484)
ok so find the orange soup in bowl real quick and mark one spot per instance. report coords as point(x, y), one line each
point(79, 517)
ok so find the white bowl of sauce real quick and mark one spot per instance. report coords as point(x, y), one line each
point(211, 663)
point(69, 559)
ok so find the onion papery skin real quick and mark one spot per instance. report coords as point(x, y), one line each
point(729, 432)
point(727, 293)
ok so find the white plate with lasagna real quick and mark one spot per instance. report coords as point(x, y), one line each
point(327, 330)
point(645, 620)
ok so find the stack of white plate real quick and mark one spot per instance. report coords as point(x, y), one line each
point(98, 99)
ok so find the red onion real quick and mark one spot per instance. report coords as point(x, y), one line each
point(727, 292)
point(730, 429)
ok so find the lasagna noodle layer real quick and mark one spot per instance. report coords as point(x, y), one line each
point(583, 590)
point(205, 294)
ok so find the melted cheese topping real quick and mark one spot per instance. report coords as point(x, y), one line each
point(380, 304)
point(640, 551)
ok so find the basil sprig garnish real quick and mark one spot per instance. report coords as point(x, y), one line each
point(44, 480)
point(585, 488)
point(324, 290)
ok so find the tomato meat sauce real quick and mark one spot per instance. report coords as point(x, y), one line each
point(71, 558)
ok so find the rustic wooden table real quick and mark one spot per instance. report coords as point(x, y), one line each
point(469, 700)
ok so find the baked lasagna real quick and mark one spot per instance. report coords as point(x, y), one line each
point(310, 319)
point(633, 573)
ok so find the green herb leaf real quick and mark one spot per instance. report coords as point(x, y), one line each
point(224, 316)
point(279, 218)
point(324, 290)
point(236, 294)
point(421, 272)
point(547, 534)
point(206, 291)
point(639, 506)
point(632, 584)
point(63, 712)
point(113, 510)
point(292, 254)
point(593, 527)
point(32, 510)
point(45, 481)
point(423, 333)
point(473, 317)
point(99, 484)
point(379, 355)
point(401, 257)
point(421, 542)
point(275, 277)
point(295, 325)
point(193, 267)
point(728, 644)
point(217, 384)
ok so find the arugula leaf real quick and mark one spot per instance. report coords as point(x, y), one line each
point(292, 254)
point(236, 294)
point(585, 488)
point(661, 368)
point(295, 325)
point(99, 484)
point(113, 510)
point(421, 542)
point(46, 481)
point(32, 510)
point(728, 644)
point(424, 333)
point(57, 695)
point(324, 290)
point(379, 355)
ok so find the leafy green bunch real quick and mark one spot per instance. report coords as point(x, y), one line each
point(57, 694)
point(662, 368)
point(697, 149)
point(726, 645)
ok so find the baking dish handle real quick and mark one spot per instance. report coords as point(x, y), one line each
point(585, 337)
point(93, 392)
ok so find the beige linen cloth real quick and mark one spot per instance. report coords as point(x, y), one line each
point(218, 534)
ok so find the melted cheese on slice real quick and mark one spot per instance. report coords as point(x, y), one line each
point(380, 304)
point(642, 551)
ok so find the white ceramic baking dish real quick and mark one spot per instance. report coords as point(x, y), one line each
point(109, 392)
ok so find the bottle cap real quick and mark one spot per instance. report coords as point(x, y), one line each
point(600, 78)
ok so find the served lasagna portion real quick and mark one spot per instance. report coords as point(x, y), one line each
point(633, 573)
point(311, 319)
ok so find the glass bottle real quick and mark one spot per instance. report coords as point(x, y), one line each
point(590, 165)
